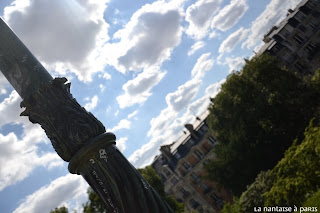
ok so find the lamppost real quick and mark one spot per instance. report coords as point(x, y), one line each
point(76, 135)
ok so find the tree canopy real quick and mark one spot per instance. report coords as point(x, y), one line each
point(256, 117)
point(62, 209)
point(295, 180)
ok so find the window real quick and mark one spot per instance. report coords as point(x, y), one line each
point(286, 56)
point(198, 154)
point(167, 172)
point(177, 155)
point(313, 23)
point(184, 193)
point(215, 197)
point(190, 143)
point(195, 177)
point(310, 48)
point(174, 180)
point(194, 204)
point(186, 165)
point(298, 39)
point(212, 140)
point(205, 188)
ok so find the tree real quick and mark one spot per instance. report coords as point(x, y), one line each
point(154, 180)
point(297, 175)
point(295, 180)
point(60, 210)
point(256, 117)
point(94, 204)
point(252, 197)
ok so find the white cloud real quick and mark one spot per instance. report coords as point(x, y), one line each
point(179, 99)
point(18, 158)
point(203, 65)
point(234, 63)
point(199, 16)
point(69, 36)
point(121, 144)
point(196, 46)
point(134, 113)
point(145, 42)
point(60, 191)
point(10, 110)
point(123, 124)
point(92, 104)
point(229, 15)
point(102, 87)
point(275, 11)
point(213, 34)
point(148, 38)
point(3, 84)
point(105, 75)
point(137, 90)
point(233, 39)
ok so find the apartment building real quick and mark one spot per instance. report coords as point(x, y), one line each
point(181, 167)
point(296, 40)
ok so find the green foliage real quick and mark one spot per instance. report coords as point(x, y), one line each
point(154, 180)
point(297, 175)
point(313, 201)
point(252, 197)
point(256, 117)
point(232, 208)
point(94, 204)
point(60, 210)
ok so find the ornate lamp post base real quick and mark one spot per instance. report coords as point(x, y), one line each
point(80, 138)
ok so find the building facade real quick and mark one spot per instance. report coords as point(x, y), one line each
point(181, 167)
point(296, 40)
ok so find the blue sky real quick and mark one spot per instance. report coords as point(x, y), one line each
point(143, 68)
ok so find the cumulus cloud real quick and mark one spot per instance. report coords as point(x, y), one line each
point(232, 40)
point(145, 42)
point(58, 192)
point(10, 110)
point(18, 158)
point(196, 46)
point(92, 104)
point(121, 144)
point(123, 124)
point(234, 63)
point(229, 15)
point(68, 36)
point(274, 12)
point(163, 128)
point(148, 38)
point(203, 65)
point(199, 16)
point(137, 90)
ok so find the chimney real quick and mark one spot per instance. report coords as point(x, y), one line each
point(190, 128)
point(165, 150)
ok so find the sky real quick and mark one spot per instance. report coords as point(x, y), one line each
point(143, 68)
